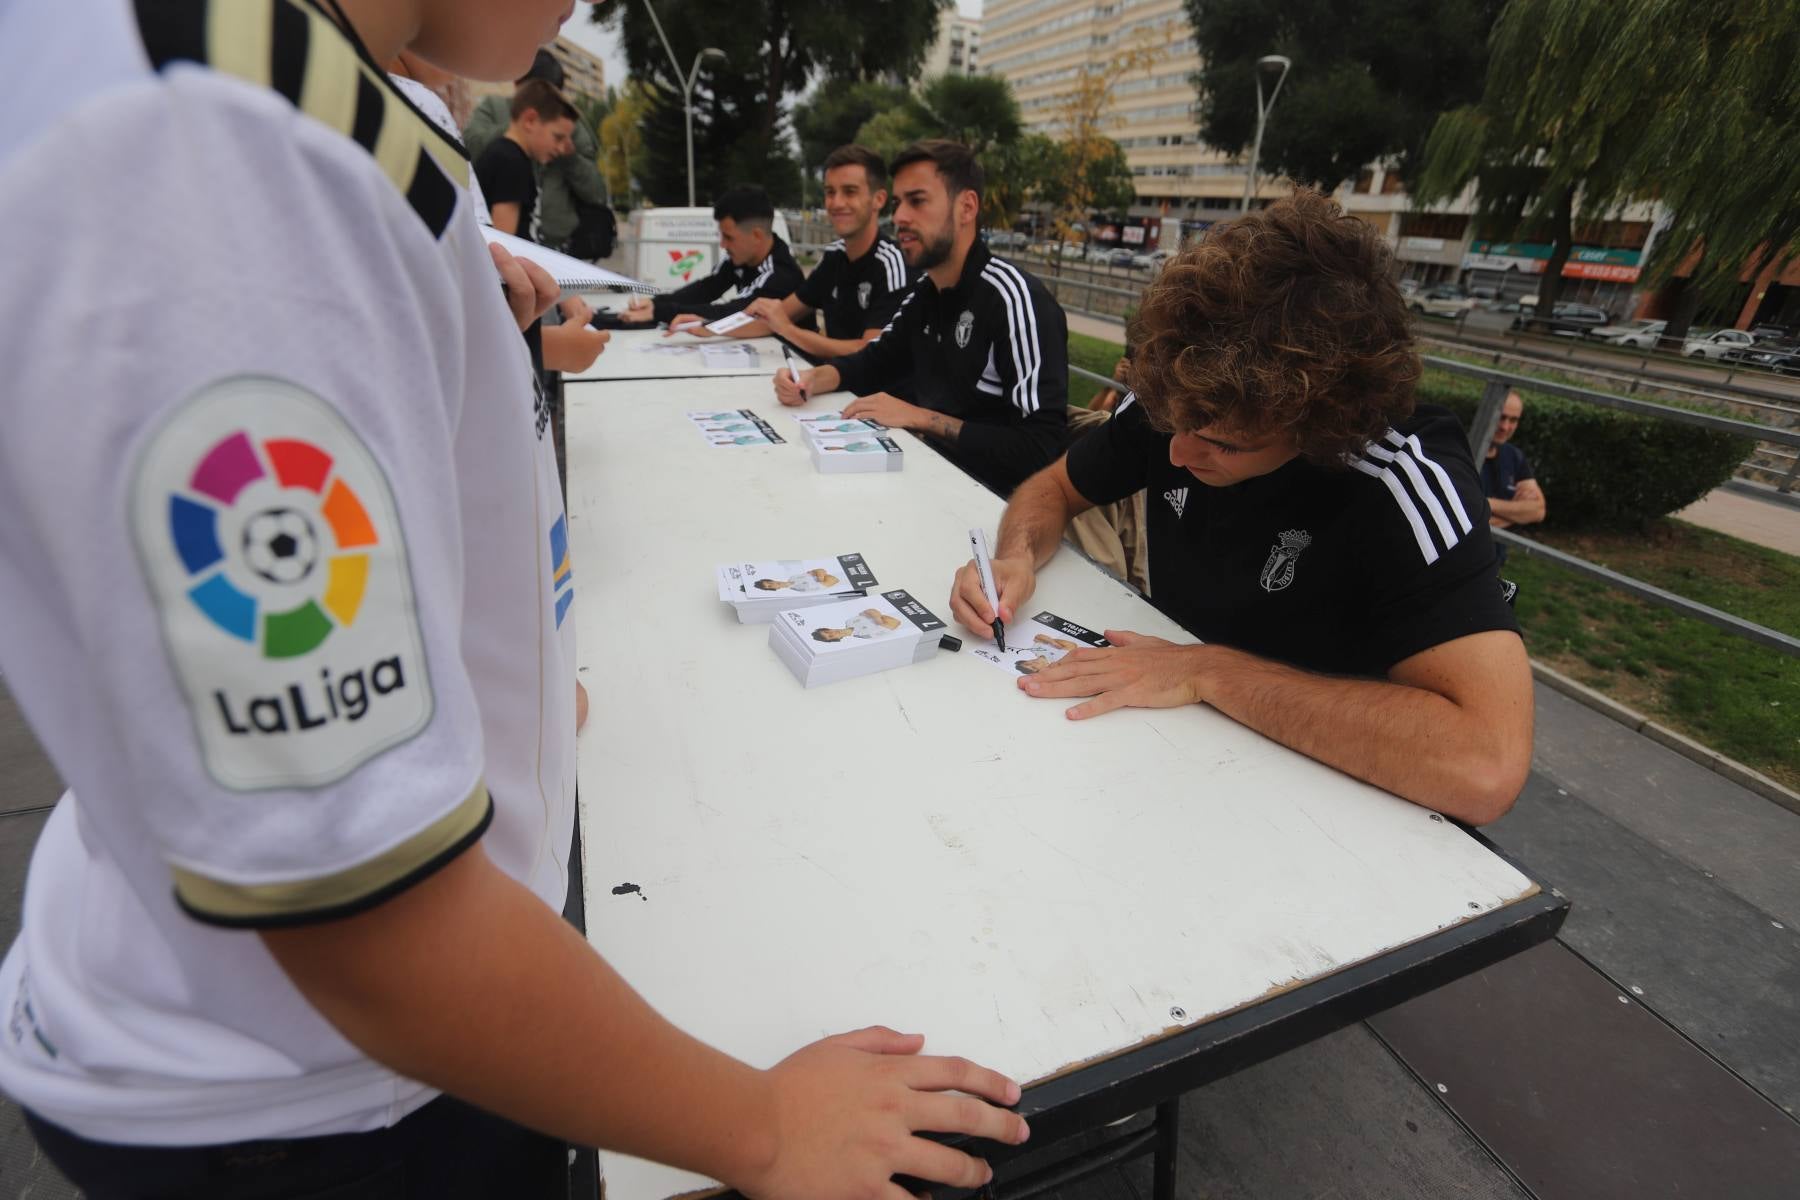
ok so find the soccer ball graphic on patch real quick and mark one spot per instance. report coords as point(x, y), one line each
point(280, 546)
point(274, 542)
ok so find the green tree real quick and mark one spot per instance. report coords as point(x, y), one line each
point(1368, 80)
point(1562, 124)
point(979, 111)
point(1020, 172)
point(831, 116)
point(621, 140)
point(774, 49)
point(890, 132)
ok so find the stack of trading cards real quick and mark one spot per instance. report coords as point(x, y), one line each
point(757, 591)
point(854, 637)
point(848, 445)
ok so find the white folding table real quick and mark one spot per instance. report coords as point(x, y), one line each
point(1111, 911)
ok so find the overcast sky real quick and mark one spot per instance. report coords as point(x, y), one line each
point(604, 42)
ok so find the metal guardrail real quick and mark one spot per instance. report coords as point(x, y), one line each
point(1773, 638)
point(1632, 380)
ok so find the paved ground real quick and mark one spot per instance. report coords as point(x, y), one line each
point(1765, 522)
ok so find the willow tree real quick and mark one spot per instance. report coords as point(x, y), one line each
point(1689, 103)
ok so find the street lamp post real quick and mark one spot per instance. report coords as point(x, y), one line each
point(1268, 62)
point(687, 88)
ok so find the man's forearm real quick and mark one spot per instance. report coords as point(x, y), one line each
point(817, 345)
point(941, 426)
point(1035, 518)
point(1415, 743)
point(1518, 512)
point(470, 983)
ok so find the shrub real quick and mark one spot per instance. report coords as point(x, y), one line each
point(1601, 468)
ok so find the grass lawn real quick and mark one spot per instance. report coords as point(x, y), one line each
point(1093, 354)
point(1725, 692)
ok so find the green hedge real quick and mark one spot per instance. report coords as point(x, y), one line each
point(1601, 468)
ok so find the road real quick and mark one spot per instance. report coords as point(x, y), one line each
point(1491, 329)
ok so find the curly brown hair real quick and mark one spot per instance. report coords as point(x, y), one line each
point(1285, 320)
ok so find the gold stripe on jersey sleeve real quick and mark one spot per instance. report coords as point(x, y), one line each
point(343, 892)
point(329, 91)
point(239, 38)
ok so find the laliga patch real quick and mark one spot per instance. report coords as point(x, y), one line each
point(270, 541)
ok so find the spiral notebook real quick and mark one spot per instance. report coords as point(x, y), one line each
point(571, 274)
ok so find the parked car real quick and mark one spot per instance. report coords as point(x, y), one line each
point(1119, 258)
point(1145, 262)
point(1098, 256)
point(1442, 301)
point(1780, 355)
point(1565, 320)
point(1778, 332)
point(1716, 344)
point(1641, 334)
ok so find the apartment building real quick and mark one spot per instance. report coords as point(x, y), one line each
point(1042, 46)
point(957, 50)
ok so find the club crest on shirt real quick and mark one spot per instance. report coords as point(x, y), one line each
point(1284, 555)
point(271, 545)
point(862, 294)
point(965, 325)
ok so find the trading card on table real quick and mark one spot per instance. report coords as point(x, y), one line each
point(1035, 644)
point(828, 423)
point(842, 575)
point(741, 427)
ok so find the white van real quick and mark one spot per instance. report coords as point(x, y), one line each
point(676, 246)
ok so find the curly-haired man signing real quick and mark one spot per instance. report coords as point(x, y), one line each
point(1328, 542)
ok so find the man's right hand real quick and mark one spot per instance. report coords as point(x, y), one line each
point(641, 308)
point(1014, 581)
point(790, 391)
point(846, 1110)
point(769, 311)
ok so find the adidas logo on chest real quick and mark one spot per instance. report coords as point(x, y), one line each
point(1177, 498)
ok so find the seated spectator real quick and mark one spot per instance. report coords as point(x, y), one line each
point(757, 262)
point(542, 129)
point(1108, 398)
point(1514, 497)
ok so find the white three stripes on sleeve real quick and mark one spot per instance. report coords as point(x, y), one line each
point(1396, 462)
point(893, 263)
point(1021, 330)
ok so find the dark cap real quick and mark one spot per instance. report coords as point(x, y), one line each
point(948, 642)
point(546, 68)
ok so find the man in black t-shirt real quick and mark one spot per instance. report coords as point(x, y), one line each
point(1327, 542)
point(982, 346)
point(1514, 497)
point(542, 129)
point(757, 262)
point(858, 284)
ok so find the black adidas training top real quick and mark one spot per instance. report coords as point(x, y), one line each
point(992, 351)
point(1344, 571)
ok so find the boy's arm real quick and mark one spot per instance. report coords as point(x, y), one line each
point(468, 982)
point(505, 216)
